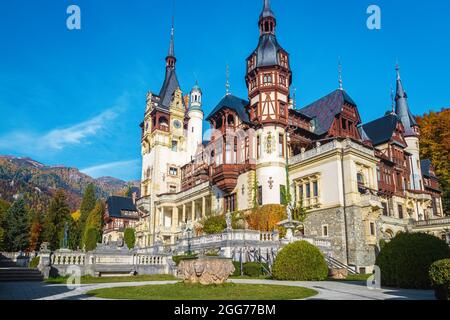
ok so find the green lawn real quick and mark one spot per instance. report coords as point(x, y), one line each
point(228, 291)
point(89, 279)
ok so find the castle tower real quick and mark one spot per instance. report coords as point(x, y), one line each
point(195, 124)
point(412, 133)
point(268, 81)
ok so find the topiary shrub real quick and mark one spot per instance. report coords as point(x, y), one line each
point(237, 268)
point(35, 262)
point(406, 260)
point(300, 261)
point(129, 237)
point(91, 239)
point(214, 224)
point(440, 279)
point(254, 269)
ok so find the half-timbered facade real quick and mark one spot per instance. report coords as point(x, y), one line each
point(359, 182)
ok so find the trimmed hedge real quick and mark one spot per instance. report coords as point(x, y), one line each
point(91, 239)
point(406, 260)
point(440, 279)
point(130, 238)
point(300, 261)
point(237, 268)
point(254, 269)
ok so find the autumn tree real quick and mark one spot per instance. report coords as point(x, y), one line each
point(94, 222)
point(435, 145)
point(17, 227)
point(35, 231)
point(55, 220)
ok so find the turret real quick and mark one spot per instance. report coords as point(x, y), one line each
point(412, 132)
point(195, 124)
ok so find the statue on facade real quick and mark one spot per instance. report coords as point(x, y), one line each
point(229, 221)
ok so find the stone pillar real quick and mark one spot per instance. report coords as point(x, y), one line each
point(193, 211)
point(174, 218)
point(203, 207)
point(184, 212)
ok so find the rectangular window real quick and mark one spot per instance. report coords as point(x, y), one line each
point(230, 203)
point(174, 146)
point(173, 171)
point(378, 174)
point(385, 209)
point(400, 211)
point(172, 189)
point(300, 192)
point(258, 147)
point(308, 190)
point(260, 196)
point(315, 189)
point(281, 145)
point(372, 228)
point(325, 231)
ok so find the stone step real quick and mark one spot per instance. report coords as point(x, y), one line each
point(19, 274)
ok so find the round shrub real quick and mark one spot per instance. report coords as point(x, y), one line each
point(214, 225)
point(254, 269)
point(300, 261)
point(406, 260)
point(440, 279)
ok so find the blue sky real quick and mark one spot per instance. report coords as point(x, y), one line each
point(76, 98)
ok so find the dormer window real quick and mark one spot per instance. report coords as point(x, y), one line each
point(267, 78)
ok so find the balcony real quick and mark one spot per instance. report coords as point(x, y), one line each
point(225, 176)
point(433, 223)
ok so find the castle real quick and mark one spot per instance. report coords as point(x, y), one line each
point(360, 183)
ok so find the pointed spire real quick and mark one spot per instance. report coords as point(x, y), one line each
point(227, 84)
point(170, 59)
point(341, 82)
point(402, 107)
point(267, 11)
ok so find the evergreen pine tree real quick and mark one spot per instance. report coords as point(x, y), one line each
point(4, 206)
point(55, 220)
point(17, 223)
point(74, 235)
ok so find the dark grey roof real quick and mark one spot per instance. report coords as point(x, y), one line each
point(425, 165)
point(364, 136)
point(267, 11)
point(117, 204)
point(267, 51)
point(326, 109)
point(171, 52)
point(402, 107)
point(233, 103)
point(381, 130)
point(168, 88)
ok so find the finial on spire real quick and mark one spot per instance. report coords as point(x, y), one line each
point(172, 34)
point(397, 68)
point(392, 100)
point(227, 85)
point(341, 82)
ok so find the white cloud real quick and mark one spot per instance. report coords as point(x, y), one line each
point(56, 139)
point(121, 169)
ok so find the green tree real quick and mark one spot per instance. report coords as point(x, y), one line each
point(4, 206)
point(130, 237)
point(17, 227)
point(74, 235)
point(94, 221)
point(87, 205)
point(91, 239)
point(54, 222)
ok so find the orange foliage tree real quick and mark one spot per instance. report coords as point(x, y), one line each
point(265, 218)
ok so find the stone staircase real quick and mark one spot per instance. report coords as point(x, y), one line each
point(9, 272)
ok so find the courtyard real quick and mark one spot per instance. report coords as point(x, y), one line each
point(326, 290)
